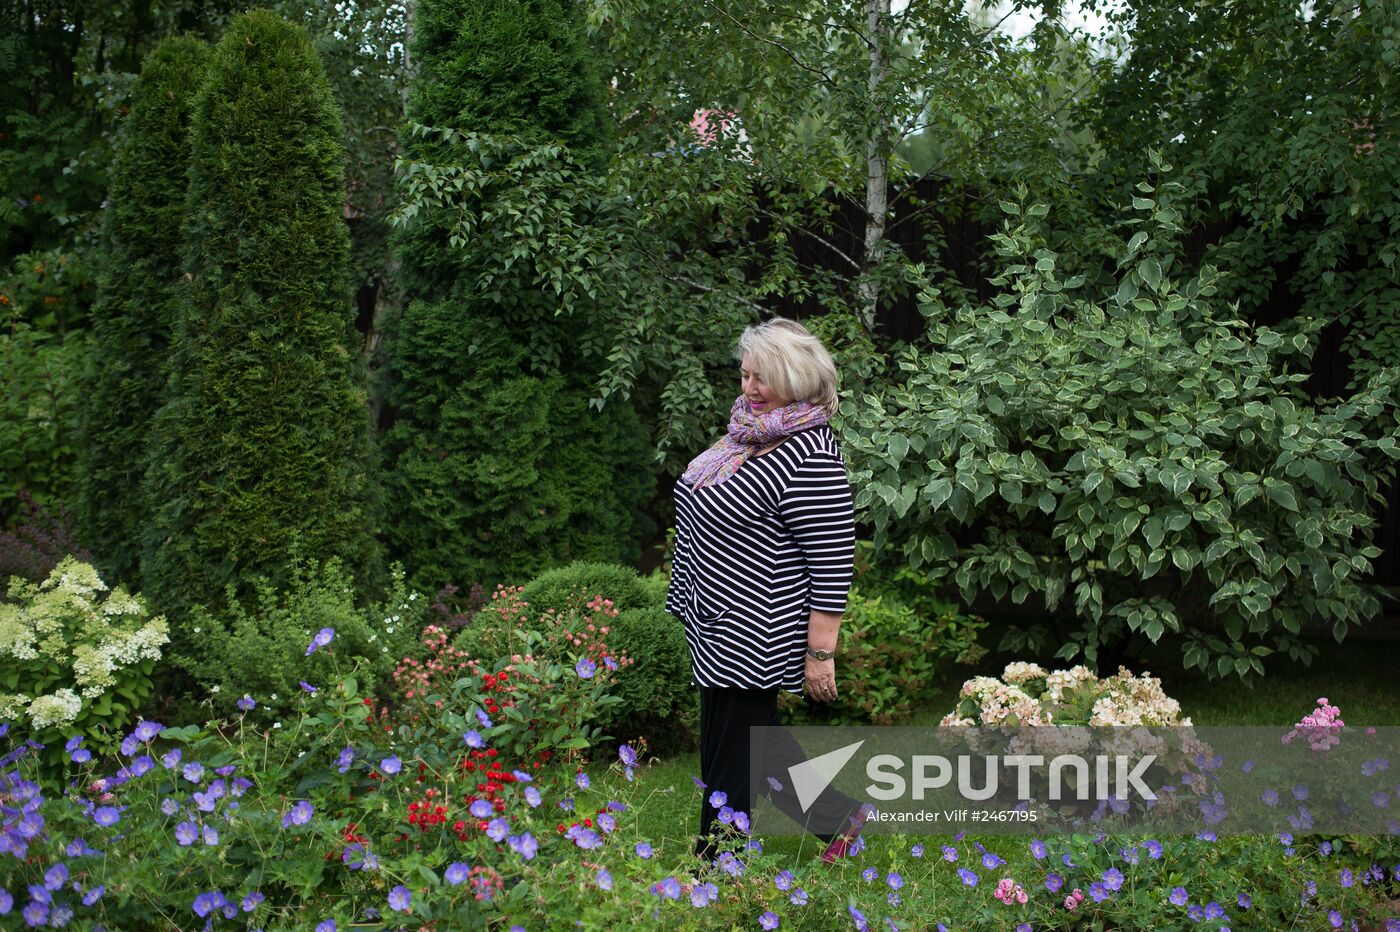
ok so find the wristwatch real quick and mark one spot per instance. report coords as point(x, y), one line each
point(820, 654)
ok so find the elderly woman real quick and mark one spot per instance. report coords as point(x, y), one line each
point(762, 566)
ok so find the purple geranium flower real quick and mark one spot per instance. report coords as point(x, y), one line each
point(968, 877)
point(585, 668)
point(390, 765)
point(473, 739)
point(106, 816)
point(206, 903)
point(604, 879)
point(643, 849)
point(768, 920)
point(456, 873)
point(299, 814)
point(322, 638)
point(400, 899)
point(246, 704)
point(308, 687)
point(1113, 879)
point(186, 833)
point(1178, 896)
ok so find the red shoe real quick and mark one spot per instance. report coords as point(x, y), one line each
point(841, 845)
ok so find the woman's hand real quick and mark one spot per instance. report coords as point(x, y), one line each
point(820, 679)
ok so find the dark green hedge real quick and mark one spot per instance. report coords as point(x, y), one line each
point(265, 436)
point(496, 467)
point(136, 306)
point(520, 68)
point(496, 473)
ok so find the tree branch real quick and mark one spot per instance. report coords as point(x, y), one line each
point(805, 231)
point(827, 79)
point(709, 289)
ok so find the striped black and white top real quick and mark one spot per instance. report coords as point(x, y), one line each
point(755, 554)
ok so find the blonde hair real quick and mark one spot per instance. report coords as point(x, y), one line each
point(791, 361)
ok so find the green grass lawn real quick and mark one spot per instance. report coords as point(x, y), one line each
point(1359, 677)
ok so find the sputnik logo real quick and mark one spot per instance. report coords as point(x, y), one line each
point(810, 778)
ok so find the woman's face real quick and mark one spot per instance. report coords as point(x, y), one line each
point(762, 399)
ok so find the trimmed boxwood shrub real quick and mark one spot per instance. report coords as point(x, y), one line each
point(659, 703)
point(573, 586)
point(658, 700)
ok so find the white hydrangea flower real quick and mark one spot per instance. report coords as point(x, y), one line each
point(1020, 672)
point(12, 706)
point(60, 708)
point(16, 637)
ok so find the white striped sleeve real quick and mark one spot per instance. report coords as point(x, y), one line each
point(816, 508)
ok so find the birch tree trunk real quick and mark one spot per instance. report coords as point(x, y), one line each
point(877, 20)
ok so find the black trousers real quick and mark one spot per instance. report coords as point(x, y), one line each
point(727, 765)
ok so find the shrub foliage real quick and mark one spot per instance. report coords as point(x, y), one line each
point(1142, 461)
point(137, 302)
point(265, 435)
point(496, 466)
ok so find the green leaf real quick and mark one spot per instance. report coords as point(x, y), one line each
point(1127, 291)
point(937, 491)
point(1153, 531)
point(1282, 494)
point(1151, 272)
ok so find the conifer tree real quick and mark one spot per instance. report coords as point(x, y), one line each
point(496, 467)
point(134, 313)
point(264, 443)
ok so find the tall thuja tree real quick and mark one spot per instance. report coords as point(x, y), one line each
point(136, 306)
point(264, 442)
point(496, 466)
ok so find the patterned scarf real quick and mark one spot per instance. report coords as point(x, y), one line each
point(749, 432)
